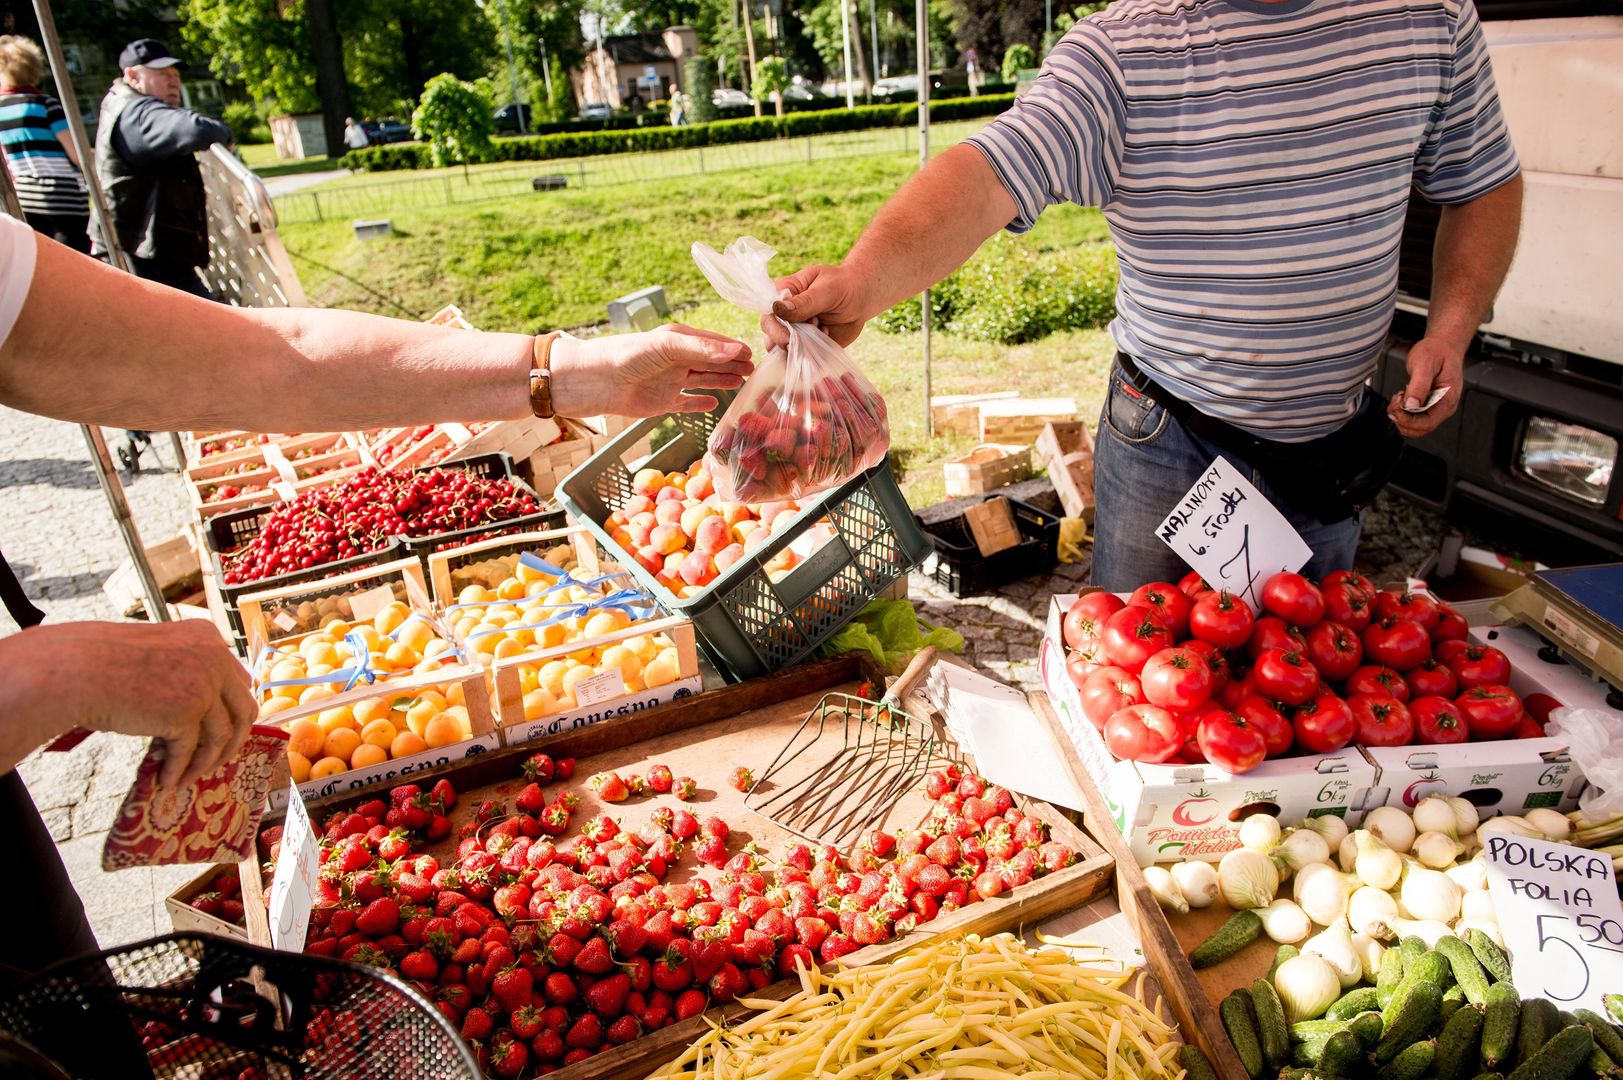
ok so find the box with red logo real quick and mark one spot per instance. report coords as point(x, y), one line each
point(1169, 813)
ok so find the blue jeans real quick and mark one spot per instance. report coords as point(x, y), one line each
point(1145, 461)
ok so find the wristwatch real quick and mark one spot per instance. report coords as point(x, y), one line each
point(541, 375)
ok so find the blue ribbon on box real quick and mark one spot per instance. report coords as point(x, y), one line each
point(361, 669)
point(624, 600)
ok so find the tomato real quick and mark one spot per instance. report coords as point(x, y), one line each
point(1438, 720)
point(1431, 679)
point(1374, 679)
point(1285, 676)
point(1408, 606)
point(1261, 714)
point(1087, 614)
point(1176, 679)
point(1528, 728)
point(1168, 602)
point(1236, 691)
point(1080, 664)
point(1446, 650)
point(1539, 706)
point(1293, 598)
point(1397, 643)
point(1109, 690)
point(1193, 585)
point(1335, 579)
point(1479, 665)
point(1229, 741)
point(1382, 720)
point(1451, 625)
point(1133, 635)
point(1491, 711)
point(1215, 658)
point(1347, 605)
point(1143, 733)
point(1335, 650)
point(1222, 619)
point(1324, 723)
point(1272, 632)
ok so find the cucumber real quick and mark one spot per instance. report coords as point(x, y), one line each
point(1241, 929)
point(1561, 1056)
point(1454, 993)
point(1460, 1044)
point(1342, 1055)
point(1606, 1036)
point(1352, 1003)
point(1489, 1076)
point(1602, 1065)
point(1368, 1027)
point(1450, 1007)
point(1240, 1021)
point(1414, 1014)
point(1390, 975)
point(1310, 1030)
point(1195, 1065)
point(1468, 973)
point(1433, 968)
point(1489, 955)
point(1540, 1019)
point(1412, 949)
point(1409, 1065)
point(1284, 953)
point(1274, 1033)
point(1306, 1055)
point(1614, 1005)
point(1501, 1017)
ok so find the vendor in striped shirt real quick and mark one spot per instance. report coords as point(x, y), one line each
point(43, 162)
point(1254, 159)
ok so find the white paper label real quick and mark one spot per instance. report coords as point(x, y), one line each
point(285, 622)
point(1570, 632)
point(365, 606)
point(293, 884)
point(600, 688)
point(1228, 532)
point(1559, 912)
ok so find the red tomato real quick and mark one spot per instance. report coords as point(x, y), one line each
point(1272, 632)
point(1438, 720)
point(1446, 650)
point(1193, 585)
point(1133, 635)
point(1222, 619)
point(1382, 720)
point(1324, 723)
point(1086, 616)
point(1216, 659)
point(1176, 679)
point(1229, 741)
point(1431, 679)
point(1285, 676)
point(1479, 665)
point(1334, 650)
point(1337, 578)
point(1109, 690)
point(1491, 711)
point(1374, 679)
point(1528, 728)
point(1409, 606)
point(1347, 605)
point(1080, 665)
point(1168, 602)
point(1236, 691)
point(1143, 733)
point(1451, 625)
point(1293, 598)
point(1397, 643)
point(1538, 706)
point(1261, 714)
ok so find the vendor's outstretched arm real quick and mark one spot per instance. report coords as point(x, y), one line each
point(95, 345)
point(927, 230)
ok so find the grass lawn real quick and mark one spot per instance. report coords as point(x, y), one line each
point(262, 159)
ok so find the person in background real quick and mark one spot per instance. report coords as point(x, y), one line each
point(354, 134)
point(679, 113)
point(45, 166)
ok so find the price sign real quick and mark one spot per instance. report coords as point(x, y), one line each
point(600, 688)
point(293, 884)
point(1229, 533)
point(1559, 913)
point(365, 606)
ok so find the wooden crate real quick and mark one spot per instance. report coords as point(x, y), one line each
point(986, 467)
point(1021, 420)
point(706, 736)
point(276, 615)
point(518, 439)
point(440, 445)
point(444, 566)
point(187, 919)
point(328, 467)
point(961, 413)
point(263, 482)
point(1066, 450)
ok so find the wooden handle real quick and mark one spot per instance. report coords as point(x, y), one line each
point(910, 675)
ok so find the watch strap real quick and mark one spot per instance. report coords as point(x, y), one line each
point(541, 375)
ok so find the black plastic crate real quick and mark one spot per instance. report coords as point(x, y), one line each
point(958, 566)
point(493, 466)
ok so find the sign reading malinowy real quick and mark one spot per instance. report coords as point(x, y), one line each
point(293, 884)
point(1229, 533)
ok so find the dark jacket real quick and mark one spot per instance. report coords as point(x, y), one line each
point(144, 150)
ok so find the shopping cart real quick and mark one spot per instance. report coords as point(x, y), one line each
point(200, 1007)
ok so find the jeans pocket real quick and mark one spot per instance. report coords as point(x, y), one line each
point(1132, 416)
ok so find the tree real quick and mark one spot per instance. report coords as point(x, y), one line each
point(108, 27)
point(456, 119)
point(549, 29)
point(1017, 58)
point(393, 46)
point(771, 80)
point(701, 84)
point(261, 44)
point(991, 26)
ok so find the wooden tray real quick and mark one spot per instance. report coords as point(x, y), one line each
point(705, 737)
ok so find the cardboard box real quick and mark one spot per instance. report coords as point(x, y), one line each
point(992, 525)
point(1170, 813)
point(1508, 777)
point(175, 567)
point(986, 468)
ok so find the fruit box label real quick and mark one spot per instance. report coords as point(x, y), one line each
point(624, 705)
point(1508, 777)
point(389, 772)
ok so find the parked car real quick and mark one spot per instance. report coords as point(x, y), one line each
point(508, 116)
point(390, 129)
point(800, 90)
point(726, 95)
point(596, 110)
point(896, 84)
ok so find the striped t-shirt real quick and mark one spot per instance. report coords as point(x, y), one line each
point(1254, 161)
point(46, 181)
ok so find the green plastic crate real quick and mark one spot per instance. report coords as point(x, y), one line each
point(748, 624)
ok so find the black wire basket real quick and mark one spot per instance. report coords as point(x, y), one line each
point(210, 1008)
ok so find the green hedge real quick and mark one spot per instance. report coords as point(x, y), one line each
point(721, 132)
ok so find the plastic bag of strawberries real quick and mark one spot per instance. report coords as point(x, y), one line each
point(807, 420)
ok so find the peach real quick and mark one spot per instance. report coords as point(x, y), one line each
point(700, 486)
point(667, 494)
point(712, 534)
point(622, 537)
point(615, 520)
point(635, 505)
point(677, 479)
point(667, 539)
point(668, 513)
point(673, 561)
point(733, 513)
point(784, 560)
point(771, 510)
point(697, 569)
point(745, 529)
point(756, 539)
point(668, 581)
point(727, 556)
point(694, 466)
point(647, 482)
point(693, 517)
point(651, 559)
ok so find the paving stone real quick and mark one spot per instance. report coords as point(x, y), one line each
point(58, 822)
point(97, 815)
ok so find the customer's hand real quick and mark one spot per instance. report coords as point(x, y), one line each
point(173, 681)
point(1432, 366)
point(831, 297)
point(645, 374)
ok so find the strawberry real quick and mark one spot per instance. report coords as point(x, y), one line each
point(689, 1003)
point(1055, 856)
point(586, 1033)
point(635, 784)
point(525, 1022)
point(380, 917)
point(554, 820)
point(512, 987)
point(757, 948)
point(685, 788)
point(835, 946)
point(547, 1046)
point(1001, 799)
point(708, 956)
point(609, 787)
point(476, 1025)
point(539, 768)
point(870, 928)
point(937, 785)
point(531, 800)
point(684, 826)
point(564, 768)
point(934, 880)
point(989, 884)
point(742, 779)
point(971, 787)
point(776, 924)
point(625, 937)
point(660, 779)
point(978, 810)
point(793, 956)
point(711, 850)
point(508, 1057)
point(594, 957)
point(672, 971)
point(715, 826)
point(607, 997)
point(559, 989)
point(623, 1031)
point(727, 983)
point(420, 965)
point(944, 852)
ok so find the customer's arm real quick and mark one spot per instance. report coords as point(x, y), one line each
point(93, 345)
point(150, 132)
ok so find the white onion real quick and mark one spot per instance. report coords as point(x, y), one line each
point(1322, 894)
point(1489, 928)
point(1478, 905)
point(1335, 944)
point(1377, 864)
point(1470, 876)
point(1370, 911)
point(1466, 815)
point(1197, 881)
point(1284, 922)
point(1392, 827)
point(1247, 879)
point(1260, 832)
point(1166, 890)
point(1433, 814)
point(1511, 825)
point(1303, 847)
point(1429, 894)
point(1307, 986)
point(1552, 823)
point(1437, 850)
point(1369, 953)
point(1426, 930)
point(1332, 827)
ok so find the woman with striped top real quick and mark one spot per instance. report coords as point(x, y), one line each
point(34, 134)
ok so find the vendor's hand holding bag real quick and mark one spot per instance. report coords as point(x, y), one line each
point(807, 420)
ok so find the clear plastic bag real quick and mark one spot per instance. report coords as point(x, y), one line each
point(1595, 743)
point(807, 420)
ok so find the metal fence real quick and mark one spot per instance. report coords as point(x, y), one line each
point(453, 187)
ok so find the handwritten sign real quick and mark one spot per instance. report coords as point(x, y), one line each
point(293, 884)
point(366, 605)
point(1559, 913)
point(600, 688)
point(1229, 533)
